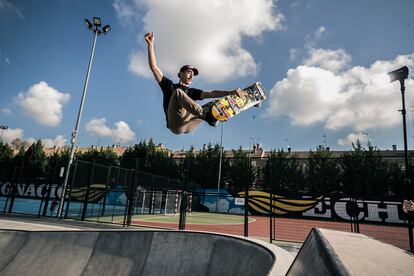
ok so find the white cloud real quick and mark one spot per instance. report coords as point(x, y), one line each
point(29, 141)
point(352, 138)
point(207, 34)
point(59, 141)
point(331, 60)
point(98, 127)
point(359, 98)
point(308, 95)
point(293, 52)
point(43, 103)
point(3, 59)
point(311, 39)
point(120, 132)
point(5, 111)
point(319, 32)
point(10, 134)
point(6, 6)
point(127, 11)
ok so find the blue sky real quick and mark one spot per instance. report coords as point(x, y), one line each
point(324, 64)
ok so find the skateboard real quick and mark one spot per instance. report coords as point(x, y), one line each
point(231, 105)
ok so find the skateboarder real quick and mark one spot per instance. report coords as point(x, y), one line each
point(182, 113)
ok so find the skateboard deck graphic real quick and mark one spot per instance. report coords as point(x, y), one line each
point(229, 106)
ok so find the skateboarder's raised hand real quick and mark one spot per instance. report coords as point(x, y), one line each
point(149, 38)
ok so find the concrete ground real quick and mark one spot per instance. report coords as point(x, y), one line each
point(68, 238)
point(32, 223)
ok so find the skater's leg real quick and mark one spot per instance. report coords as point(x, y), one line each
point(184, 114)
point(185, 102)
point(190, 125)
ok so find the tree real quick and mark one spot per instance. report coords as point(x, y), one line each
point(18, 143)
point(34, 161)
point(146, 157)
point(282, 171)
point(322, 172)
point(240, 172)
point(101, 157)
point(6, 157)
point(55, 161)
point(364, 172)
point(205, 166)
point(397, 184)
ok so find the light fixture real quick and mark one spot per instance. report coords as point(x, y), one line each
point(106, 29)
point(399, 74)
point(97, 22)
point(88, 24)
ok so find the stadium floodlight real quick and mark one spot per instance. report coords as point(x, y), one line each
point(401, 74)
point(106, 29)
point(88, 24)
point(97, 22)
point(97, 31)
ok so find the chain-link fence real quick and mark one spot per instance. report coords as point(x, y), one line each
point(276, 198)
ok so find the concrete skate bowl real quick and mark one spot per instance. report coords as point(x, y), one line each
point(132, 253)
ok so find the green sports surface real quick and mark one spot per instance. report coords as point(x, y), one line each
point(191, 218)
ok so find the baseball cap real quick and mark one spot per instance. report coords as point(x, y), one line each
point(185, 67)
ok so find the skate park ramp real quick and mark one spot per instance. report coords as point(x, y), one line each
point(328, 252)
point(136, 253)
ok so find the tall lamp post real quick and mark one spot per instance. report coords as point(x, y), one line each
point(96, 27)
point(3, 128)
point(401, 74)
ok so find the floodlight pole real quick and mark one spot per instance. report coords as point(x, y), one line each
point(76, 130)
point(403, 111)
point(407, 167)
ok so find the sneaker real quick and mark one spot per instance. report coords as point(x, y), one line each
point(210, 119)
point(207, 116)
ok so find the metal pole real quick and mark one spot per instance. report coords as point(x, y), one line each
point(407, 168)
point(220, 161)
point(75, 131)
point(246, 200)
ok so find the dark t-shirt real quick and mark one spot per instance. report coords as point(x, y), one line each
point(168, 88)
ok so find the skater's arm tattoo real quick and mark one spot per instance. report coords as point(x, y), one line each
point(220, 93)
point(152, 61)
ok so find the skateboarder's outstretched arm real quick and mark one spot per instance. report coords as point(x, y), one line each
point(220, 93)
point(149, 38)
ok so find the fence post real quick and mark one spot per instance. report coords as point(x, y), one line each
point(183, 205)
point(14, 187)
point(86, 198)
point(75, 168)
point(246, 199)
point(131, 196)
point(271, 202)
point(130, 191)
point(49, 191)
point(108, 179)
